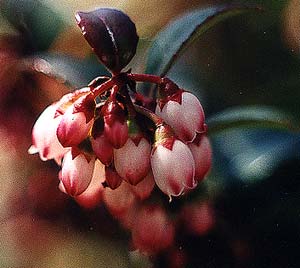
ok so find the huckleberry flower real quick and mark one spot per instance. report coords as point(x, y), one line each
point(44, 139)
point(198, 218)
point(201, 150)
point(172, 164)
point(115, 125)
point(102, 149)
point(76, 173)
point(152, 231)
point(120, 200)
point(112, 178)
point(144, 188)
point(91, 197)
point(132, 161)
point(183, 112)
point(76, 122)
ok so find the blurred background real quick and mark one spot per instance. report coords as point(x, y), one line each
point(247, 211)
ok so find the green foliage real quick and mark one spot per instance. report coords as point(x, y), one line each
point(170, 43)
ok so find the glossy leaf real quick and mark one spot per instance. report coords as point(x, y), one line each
point(170, 43)
point(111, 34)
point(253, 117)
point(66, 69)
point(249, 156)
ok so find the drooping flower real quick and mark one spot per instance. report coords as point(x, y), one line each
point(201, 150)
point(144, 188)
point(132, 161)
point(120, 200)
point(76, 122)
point(152, 231)
point(102, 149)
point(172, 165)
point(112, 178)
point(92, 196)
point(44, 139)
point(76, 173)
point(115, 125)
point(184, 113)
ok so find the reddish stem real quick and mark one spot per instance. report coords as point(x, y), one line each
point(114, 91)
point(103, 87)
point(152, 116)
point(145, 78)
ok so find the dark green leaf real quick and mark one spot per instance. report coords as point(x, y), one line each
point(177, 36)
point(111, 34)
point(252, 116)
point(66, 69)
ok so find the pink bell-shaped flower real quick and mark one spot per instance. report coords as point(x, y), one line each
point(184, 113)
point(102, 149)
point(132, 161)
point(76, 173)
point(76, 122)
point(115, 125)
point(92, 196)
point(120, 200)
point(112, 178)
point(172, 164)
point(144, 188)
point(44, 139)
point(202, 154)
point(152, 231)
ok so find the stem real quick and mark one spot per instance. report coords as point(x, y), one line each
point(152, 116)
point(103, 87)
point(114, 91)
point(130, 105)
point(146, 78)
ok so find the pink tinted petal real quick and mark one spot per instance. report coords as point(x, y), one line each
point(132, 161)
point(73, 128)
point(198, 218)
point(92, 196)
point(44, 139)
point(112, 178)
point(120, 200)
point(186, 118)
point(202, 154)
point(76, 173)
point(174, 169)
point(152, 231)
point(116, 133)
point(102, 149)
point(143, 189)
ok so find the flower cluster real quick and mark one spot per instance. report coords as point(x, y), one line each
point(116, 144)
point(109, 124)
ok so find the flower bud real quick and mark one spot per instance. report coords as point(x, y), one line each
point(102, 149)
point(202, 154)
point(112, 178)
point(132, 161)
point(44, 139)
point(76, 173)
point(76, 122)
point(173, 166)
point(152, 231)
point(115, 125)
point(184, 113)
